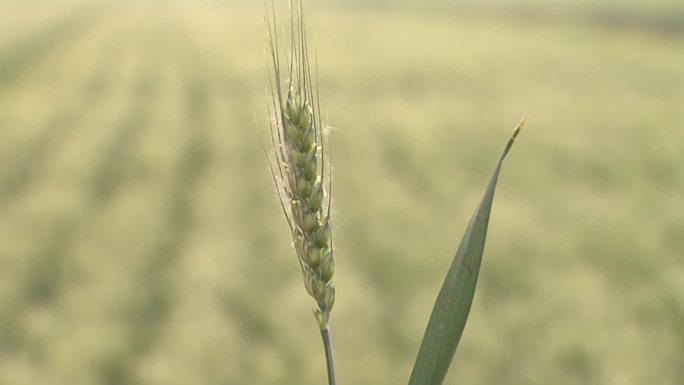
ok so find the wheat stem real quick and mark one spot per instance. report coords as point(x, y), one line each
point(327, 345)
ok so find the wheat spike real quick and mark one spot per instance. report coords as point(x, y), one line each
point(299, 172)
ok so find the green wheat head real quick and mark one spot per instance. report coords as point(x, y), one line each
point(299, 166)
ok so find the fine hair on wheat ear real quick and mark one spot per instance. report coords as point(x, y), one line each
point(298, 163)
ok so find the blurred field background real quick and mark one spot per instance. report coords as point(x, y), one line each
point(141, 242)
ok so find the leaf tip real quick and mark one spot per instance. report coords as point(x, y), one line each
point(520, 125)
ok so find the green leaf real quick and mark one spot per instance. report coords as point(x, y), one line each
point(453, 302)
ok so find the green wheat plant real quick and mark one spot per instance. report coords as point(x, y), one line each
point(301, 173)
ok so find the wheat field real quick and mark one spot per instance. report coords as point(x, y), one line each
point(141, 241)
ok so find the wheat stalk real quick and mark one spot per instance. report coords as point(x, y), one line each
point(299, 167)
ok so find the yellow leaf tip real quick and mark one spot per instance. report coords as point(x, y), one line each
point(520, 125)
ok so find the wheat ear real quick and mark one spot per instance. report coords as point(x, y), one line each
point(300, 164)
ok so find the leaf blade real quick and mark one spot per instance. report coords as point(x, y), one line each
point(452, 306)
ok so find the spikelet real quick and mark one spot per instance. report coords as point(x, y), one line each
point(300, 164)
